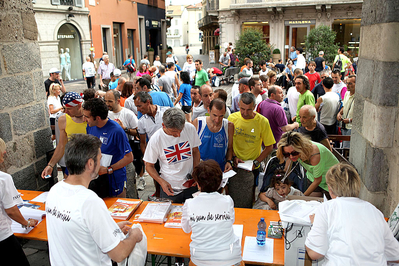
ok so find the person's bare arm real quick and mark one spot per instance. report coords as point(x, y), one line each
point(177, 84)
point(268, 200)
point(59, 150)
point(174, 90)
point(143, 142)
point(208, 83)
point(266, 151)
point(16, 215)
point(340, 113)
point(128, 158)
point(125, 247)
point(326, 143)
point(324, 64)
point(178, 98)
point(290, 127)
point(313, 186)
point(318, 103)
point(62, 86)
point(166, 187)
point(313, 254)
point(54, 111)
point(229, 153)
point(196, 157)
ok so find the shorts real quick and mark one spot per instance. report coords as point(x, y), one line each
point(186, 109)
point(116, 188)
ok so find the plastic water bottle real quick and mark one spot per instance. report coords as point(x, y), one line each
point(261, 235)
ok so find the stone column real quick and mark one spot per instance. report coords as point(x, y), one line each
point(375, 132)
point(23, 113)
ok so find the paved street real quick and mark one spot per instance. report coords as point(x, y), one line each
point(37, 251)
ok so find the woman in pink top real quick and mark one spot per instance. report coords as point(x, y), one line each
point(142, 70)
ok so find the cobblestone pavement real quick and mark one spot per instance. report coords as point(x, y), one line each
point(37, 251)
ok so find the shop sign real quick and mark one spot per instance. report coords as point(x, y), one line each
point(300, 22)
point(68, 36)
point(154, 23)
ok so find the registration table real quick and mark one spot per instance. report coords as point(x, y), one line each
point(174, 242)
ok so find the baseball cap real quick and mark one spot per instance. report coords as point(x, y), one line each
point(71, 99)
point(54, 70)
point(117, 72)
point(168, 53)
point(321, 52)
point(243, 81)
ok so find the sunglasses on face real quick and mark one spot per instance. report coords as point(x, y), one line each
point(287, 154)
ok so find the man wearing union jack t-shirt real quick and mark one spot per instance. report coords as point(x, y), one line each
point(175, 145)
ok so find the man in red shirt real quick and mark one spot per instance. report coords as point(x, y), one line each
point(312, 75)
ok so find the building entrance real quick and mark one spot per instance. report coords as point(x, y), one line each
point(296, 31)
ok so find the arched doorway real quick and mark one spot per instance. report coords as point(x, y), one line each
point(71, 62)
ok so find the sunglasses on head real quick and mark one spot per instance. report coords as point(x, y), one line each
point(287, 154)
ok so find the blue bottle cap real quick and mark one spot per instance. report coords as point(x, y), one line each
point(262, 219)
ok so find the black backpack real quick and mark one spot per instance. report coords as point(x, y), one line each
point(130, 67)
point(338, 64)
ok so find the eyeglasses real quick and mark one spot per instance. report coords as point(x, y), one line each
point(288, 154)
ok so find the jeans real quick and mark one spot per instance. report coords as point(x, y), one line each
point(346, 132)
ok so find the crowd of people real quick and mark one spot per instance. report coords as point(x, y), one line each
point(169, 122)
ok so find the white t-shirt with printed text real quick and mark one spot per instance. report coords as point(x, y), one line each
point(80, 229)
point(90, 70)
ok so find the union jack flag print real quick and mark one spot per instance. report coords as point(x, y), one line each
point(178, 152)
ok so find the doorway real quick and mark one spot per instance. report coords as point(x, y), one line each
point(295, 36)
point(117, 27)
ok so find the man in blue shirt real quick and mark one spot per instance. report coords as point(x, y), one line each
point(115, 150)
point(129, 60)
point(293, 55)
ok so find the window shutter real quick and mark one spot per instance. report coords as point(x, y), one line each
point(79, 3)
point(55, 2)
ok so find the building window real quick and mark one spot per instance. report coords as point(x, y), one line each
point(78, 3)
point(153, 2)
point(176, 31)
point(199, 16)
point(348, 35)
point(66, 2)
point(176, 22)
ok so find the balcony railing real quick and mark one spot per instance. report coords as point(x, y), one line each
point(207, 20)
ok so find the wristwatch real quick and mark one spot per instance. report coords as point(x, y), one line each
point(256, 163)
point(126, 130)
point(230, 161)
point(110, 170)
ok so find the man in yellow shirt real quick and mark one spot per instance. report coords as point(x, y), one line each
point(250, 131)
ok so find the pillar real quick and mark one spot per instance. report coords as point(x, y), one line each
point(375, 132)
point(24, 119)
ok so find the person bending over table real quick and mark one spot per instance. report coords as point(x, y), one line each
point(313, 156)
point(9, 198)
point(347, 230)
point(210, 217)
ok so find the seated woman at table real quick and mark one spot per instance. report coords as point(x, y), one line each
point(278, 191)
point(9, 198)
point(313, 156)
point(210, 217)
point(347, 230)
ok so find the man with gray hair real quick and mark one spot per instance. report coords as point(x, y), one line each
point(320, 62)
point(104, 70)
point(175, 145)
point(251, 130)
point(311, 127)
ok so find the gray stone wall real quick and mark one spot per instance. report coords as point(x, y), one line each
point(24, 124)
point(375, 133)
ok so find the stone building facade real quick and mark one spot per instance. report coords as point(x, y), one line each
point(63, 24)
point(375, 131)
point(23, 115)
point(285, 23)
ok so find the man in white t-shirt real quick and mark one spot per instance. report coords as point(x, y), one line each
point(129, 122)
point(293, 96)
point(328, 105)
point(79, 228)
point(301, 61)
point(175, 145)
point(89, 73)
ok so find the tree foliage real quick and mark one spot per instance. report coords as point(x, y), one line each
point(322, 38)
point(251, 44)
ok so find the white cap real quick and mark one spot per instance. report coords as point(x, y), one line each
point(54, 70)
point(321, 52)
point(117, 72)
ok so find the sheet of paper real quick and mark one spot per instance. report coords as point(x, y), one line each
point(27, 213)
point(246, 165)
point(238, 230)
point(41, 198)
point(253, 252)
point(226, 177)
point(106, 160)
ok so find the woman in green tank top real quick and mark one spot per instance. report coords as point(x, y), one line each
point(313, 156)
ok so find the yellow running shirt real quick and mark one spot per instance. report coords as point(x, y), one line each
point(249, 135)
point(72, 127)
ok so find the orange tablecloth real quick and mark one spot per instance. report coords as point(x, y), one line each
point(174, 242)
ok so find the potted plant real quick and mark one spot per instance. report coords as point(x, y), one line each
point(276, 55)
point(151, 54)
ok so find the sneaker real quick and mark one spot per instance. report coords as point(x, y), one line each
point(141, 184)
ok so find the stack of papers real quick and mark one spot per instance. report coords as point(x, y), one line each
point(155, 212)
point(27, 213)
point(253, 252)
point(246, 165)
point(123, 209)
point(174, 217)
point(41, 198)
